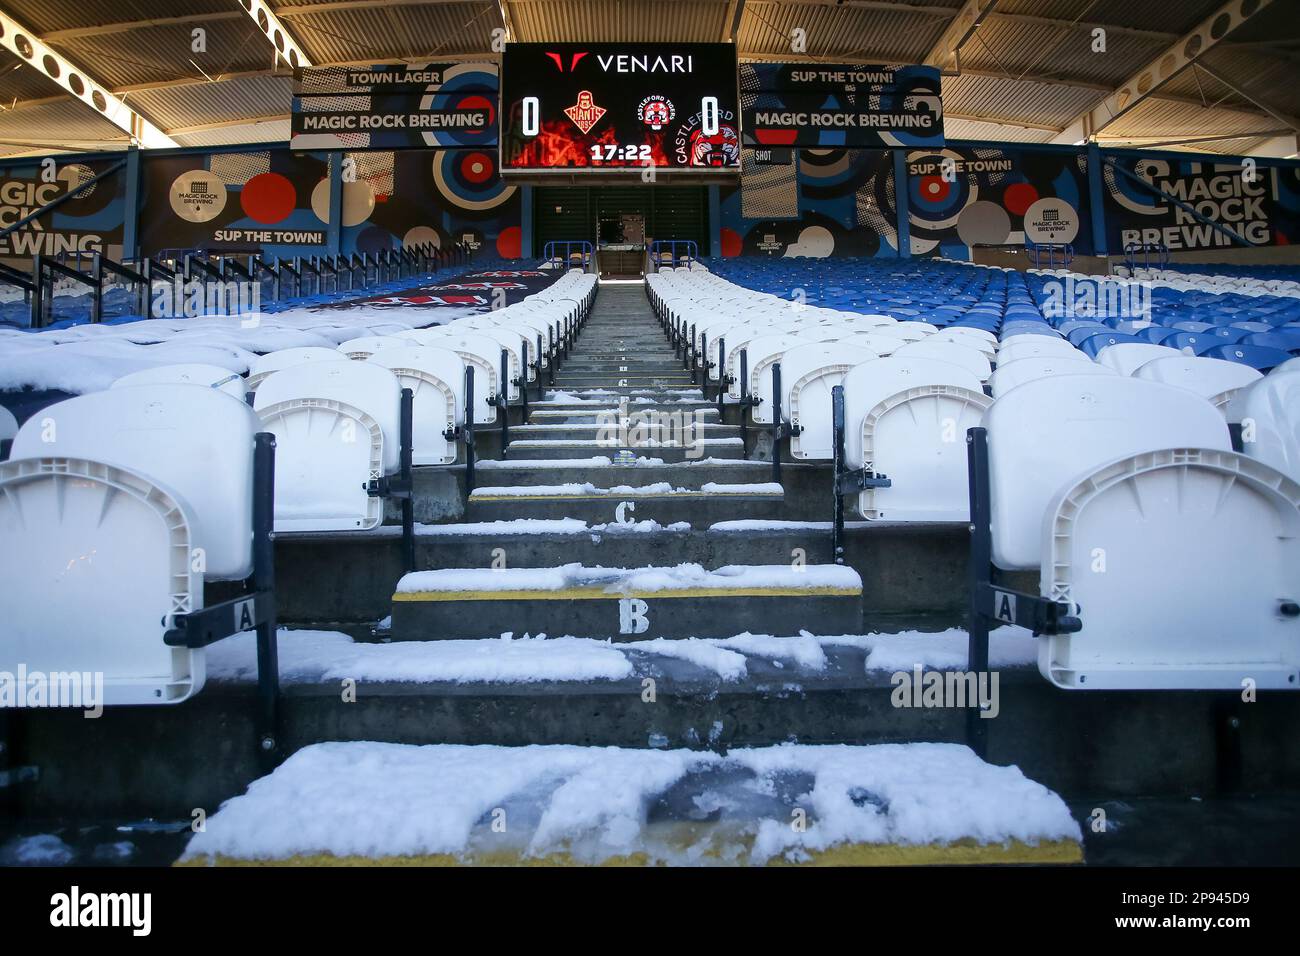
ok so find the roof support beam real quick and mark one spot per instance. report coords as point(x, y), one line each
point(276, 33)
point(126, 26)
point(1176, 58)
point(57, 68)
point(959, 31)
point(1240, 90)
point(731, 20)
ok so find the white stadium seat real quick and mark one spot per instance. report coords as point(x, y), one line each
point(808, 373)
point(1175, 552)
point(209, 376)
point(906, 418)
point(477, 351)
point(1030, 369)
point(1269, 414)
point(336, 426)
point(367, 345)
point(274, 361)
point(116, 506)
point(1127, 357)
point(1034, 346)
point(968, 357)
point(1216, 380)
point(436, 378)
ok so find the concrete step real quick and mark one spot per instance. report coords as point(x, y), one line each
point(664, 504)
point(666, 425)
point(594, 414)
point(633, 807)
point(567, 381)
point(647, 602)
point(697, 449)
point(910, 575)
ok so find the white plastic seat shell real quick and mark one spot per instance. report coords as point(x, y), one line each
point(436, 378)
point(907, 418)
point(808, 373)
point(206, 376)
point(337, 426)
point(1269, 413)
point(1216, 380)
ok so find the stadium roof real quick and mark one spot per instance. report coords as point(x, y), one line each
point(1203, 75)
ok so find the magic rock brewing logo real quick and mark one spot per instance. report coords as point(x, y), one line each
point(656, 111)
point(585, 113)
point(198, 196)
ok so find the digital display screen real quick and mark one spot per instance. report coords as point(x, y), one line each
point(617, 107)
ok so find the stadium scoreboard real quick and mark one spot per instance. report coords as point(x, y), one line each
point(615, 107)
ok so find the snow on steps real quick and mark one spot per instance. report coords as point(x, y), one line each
point(681, 601)
point(327, 657)
point(367, 803)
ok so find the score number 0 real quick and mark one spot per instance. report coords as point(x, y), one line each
point(530, 122)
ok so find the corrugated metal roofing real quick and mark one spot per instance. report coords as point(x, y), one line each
point(1026, 65)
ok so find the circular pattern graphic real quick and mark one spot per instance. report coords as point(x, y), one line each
point(358, 201)
point(421, 235)
point(983, 223)
point(732, 244)
point(268, 198)
point(1018, 197)
point(934, 189)
point(1051, 220)
point(476, 168)
point(510, 243)
point(470, 180)
point(197, 196)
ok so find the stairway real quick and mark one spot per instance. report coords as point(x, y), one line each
point(622, 396)
point(623, 510)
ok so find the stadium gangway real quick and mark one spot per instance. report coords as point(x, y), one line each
point(102, 266)
point(690, 253)
point(1146, 249)
point(1052, 250)
point(44, 269)
point(551, 254)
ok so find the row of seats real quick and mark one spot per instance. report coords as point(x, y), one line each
point(117, 506)
point(1129, 450)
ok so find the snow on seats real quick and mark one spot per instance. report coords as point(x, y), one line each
point(116, 506)
point(283, 358)
point(336, 426)
point(208, 376)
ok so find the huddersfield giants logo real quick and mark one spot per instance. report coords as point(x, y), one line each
point(656, 111)
point(584, 113)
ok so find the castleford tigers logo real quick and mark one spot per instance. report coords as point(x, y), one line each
point(585, 113)
point(656, 111)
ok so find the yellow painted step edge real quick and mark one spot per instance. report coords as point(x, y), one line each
point(961, 853)
point(598, 594)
